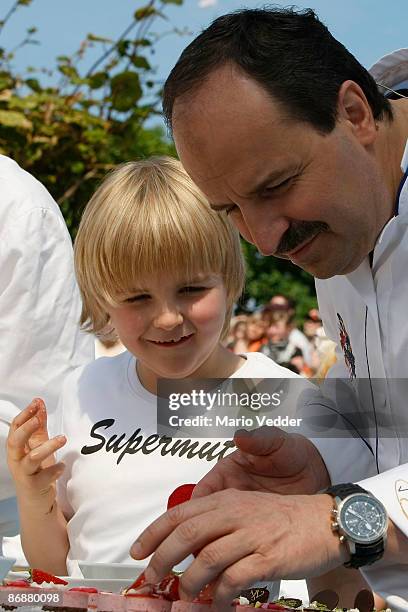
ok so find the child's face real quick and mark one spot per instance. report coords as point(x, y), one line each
point(278, 331)
point(172, 326)
point(256, 330)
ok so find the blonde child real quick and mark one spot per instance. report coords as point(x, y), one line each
point(164, 270)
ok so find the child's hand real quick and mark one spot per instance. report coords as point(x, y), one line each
point(30, 456)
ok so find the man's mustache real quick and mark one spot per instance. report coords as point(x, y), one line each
point(298, 233)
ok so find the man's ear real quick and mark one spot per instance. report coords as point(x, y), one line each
point(353, 107)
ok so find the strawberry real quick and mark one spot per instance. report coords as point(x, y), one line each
point(84, 589)
point(141, 579)
point(140, 585)
point(21, 584)
point(205, 595)
point(165, 589)
point(38, 576)
point(180, 495)
point(168, 588)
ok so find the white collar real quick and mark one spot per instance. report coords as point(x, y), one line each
point(404, 160)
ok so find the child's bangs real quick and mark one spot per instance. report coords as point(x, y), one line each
point(171, 235)
point(147, 219)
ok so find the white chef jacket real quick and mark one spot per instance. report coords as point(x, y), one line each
point(40, 340)
point(368, 310)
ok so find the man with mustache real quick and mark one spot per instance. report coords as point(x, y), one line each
point(283, 129)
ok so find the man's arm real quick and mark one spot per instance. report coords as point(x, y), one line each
point(244, 537)
point(40, 340)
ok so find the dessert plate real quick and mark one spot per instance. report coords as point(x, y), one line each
point(5, 565)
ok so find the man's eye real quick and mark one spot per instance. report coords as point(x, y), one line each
point(273, 188)
point(231, 209)
point(137, 298)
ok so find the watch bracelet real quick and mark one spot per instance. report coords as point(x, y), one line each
point(375, 550)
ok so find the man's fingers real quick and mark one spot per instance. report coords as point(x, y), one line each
point(155, 533)
point(204, 488)
point(212, 560)
point(261, 441)
point(238, 577)
point(210, 483)
point(191, 535)
point(33, 461)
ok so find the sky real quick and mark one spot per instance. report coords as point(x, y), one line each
point(368, 28)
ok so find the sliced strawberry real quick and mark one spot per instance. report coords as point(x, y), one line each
point(180, 495)
point(22, 584)
point(139, 583)
point(141, 586)
point(84, 589)
point(38, 576)
point(141, 579)
point(168, 588)
point(205, 595)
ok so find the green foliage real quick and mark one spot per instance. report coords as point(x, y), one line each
point(71, 133)
point(267, 276)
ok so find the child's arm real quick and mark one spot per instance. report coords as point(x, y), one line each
point(30, 455)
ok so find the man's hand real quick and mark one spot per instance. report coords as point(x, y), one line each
point(269, 460)
point(243, 537)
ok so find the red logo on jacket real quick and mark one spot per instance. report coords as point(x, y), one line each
point(346, 348)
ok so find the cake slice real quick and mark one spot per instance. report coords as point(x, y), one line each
point(12, 594)
point(141, 603)
point(190, 606)
point(106, 602)
point(72, 600)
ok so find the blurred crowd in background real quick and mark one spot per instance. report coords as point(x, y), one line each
point(272, 330)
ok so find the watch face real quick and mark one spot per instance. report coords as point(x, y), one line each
point(363, 518)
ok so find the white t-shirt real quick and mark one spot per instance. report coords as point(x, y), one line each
point(119, 473)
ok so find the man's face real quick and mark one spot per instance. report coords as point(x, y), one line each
point(316, 199)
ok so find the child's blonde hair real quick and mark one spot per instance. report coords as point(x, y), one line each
point(148, 217)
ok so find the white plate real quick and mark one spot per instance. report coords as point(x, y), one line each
point(5, 565)
point(128, 571)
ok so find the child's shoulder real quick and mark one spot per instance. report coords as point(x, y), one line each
point(261, 366)
point(102, 371)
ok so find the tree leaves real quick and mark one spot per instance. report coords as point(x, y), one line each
point(126, 90)
point(145, 11)
point(14, 119)
point(140, 62)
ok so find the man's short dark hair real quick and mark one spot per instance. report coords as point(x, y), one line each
point(290, 53)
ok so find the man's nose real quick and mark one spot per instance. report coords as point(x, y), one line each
point(263, 229)
point(168, 318)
